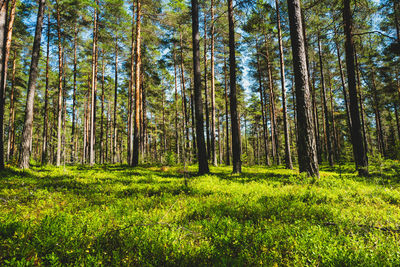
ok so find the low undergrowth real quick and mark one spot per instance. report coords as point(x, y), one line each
point(115, 215)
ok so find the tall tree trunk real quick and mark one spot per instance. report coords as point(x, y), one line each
point(264, 124)
point(325, 103)
point(378, 119)
point(184, 104)
point(201, 146)
point(235, 124)
point(6, 37)
point(177, 150)
point(136, 137)
point(11, 126)
point(206, 89)
point(131, 86)
point(46, 97)
point(33, 73)
point(92, 153)
point(307, 153)
point(102, 111)
point(115, 129)
point(60, 87)
point(3, 40)
point(274, 130)
point(73, 130)
point(358, 147)
point(288, 157)
point(213, 146)
point(342, 80)
point(228, 161)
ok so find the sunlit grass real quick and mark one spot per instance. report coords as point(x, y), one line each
point(115, 215)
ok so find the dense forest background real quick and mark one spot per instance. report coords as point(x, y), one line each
point(113, 81)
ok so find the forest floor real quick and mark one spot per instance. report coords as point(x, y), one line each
point(115, 215)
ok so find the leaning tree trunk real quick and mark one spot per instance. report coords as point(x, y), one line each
point(235, 125)
point(288, 156)
point(136, 130)
point(33, 73)
point(307, 152)
point(73, 131)
point(356, 134)
point(201, 146)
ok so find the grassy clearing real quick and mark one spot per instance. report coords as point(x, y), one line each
point(114, 215)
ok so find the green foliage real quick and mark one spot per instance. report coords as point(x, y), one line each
point(114, 215)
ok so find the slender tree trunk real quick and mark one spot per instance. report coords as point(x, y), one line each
point(213, 146)
point(136, 137)
point(115, 130)
point(11, 126)
point(201, 146)
point(33, 73)
point(342, 80)
point(5, 48)
point(358, 147)
point(184, 104)
point(131, 91)
point(206, 90)
point(102, 111)
point(326, 111)
point(60, 88)
point(177, 150)
point(235, 124)
point(228, 161)
point(261, 90)
point(288, 157)
point(46, 97)
point(361, 103)
point(73, 130)
point(274, 130)
point(92, 154)
point(3, 63)
point(307, 153)
point(378, 119)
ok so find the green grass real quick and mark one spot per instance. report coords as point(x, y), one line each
point(114, 215)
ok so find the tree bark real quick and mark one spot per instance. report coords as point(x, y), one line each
point(206, 89)
point(307, 153)
point(3, 40)
point(325, 103)
point(33, 73)
point(136, 137)
point(115, 130)
point(228, 161)
point(92, 153)
point(213, 146)
point(177, 150)
point(201, 146)
point(358, 147)
point(11, 126)
point(46, 96)
point(261, 90)
point(288, 157)
point(235, 124)
point(60, 87)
